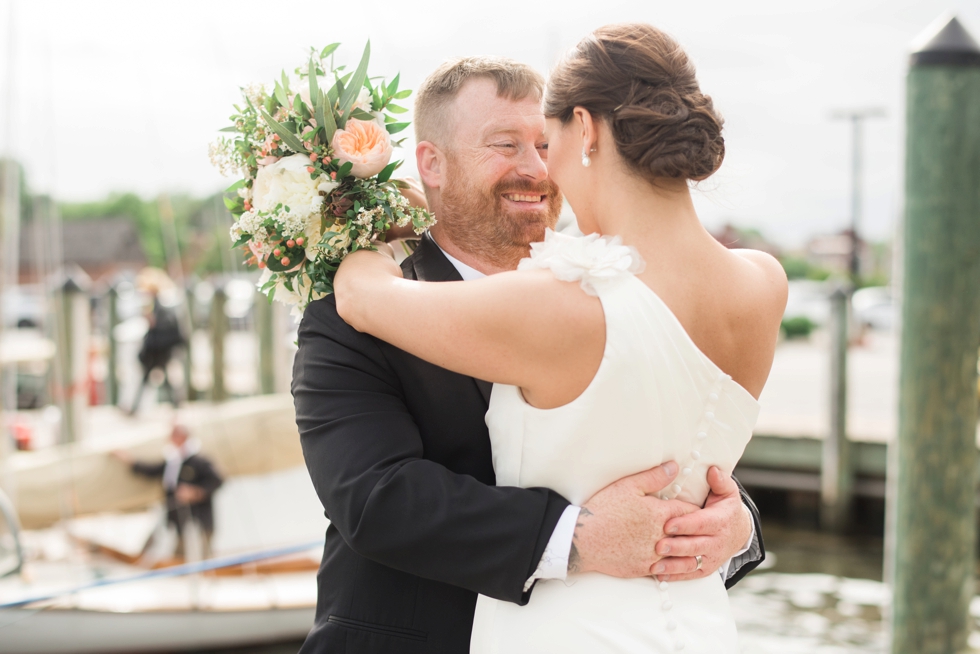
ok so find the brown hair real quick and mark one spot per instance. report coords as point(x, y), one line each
point(514, 80)
point(640, 81)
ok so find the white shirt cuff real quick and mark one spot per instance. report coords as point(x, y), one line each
point(554, 561)
point(723, 570)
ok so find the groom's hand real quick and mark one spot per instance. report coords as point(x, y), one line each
point(716, 532)
point(618, 528)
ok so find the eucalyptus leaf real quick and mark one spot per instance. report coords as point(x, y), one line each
point(287, 137)
point(356, 81)
point(314, 87)
point(280, 94)
point(324, 118)
point(360, 114)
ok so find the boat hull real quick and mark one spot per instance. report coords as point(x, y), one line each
point(57, 631)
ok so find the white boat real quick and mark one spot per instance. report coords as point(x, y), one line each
point(82, 595)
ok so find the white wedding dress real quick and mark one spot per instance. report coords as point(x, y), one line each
point(655, 397)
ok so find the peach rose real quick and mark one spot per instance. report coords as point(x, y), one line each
point(366, 144)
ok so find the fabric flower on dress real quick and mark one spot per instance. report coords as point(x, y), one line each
point(591, 260)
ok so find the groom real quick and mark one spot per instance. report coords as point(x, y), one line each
point(398, 449)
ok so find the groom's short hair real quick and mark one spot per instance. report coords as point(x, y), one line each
point(514, 80)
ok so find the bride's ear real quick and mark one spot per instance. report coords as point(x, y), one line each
point(431, 163)
point(588, 128)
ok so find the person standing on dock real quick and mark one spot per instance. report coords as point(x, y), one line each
point(162, 337)
point(189, 482)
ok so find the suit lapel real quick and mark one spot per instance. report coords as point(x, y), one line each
point(429, 264)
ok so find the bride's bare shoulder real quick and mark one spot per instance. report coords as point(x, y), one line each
point(765, 279)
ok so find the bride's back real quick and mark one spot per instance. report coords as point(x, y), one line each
point(628, 99)
point(730, 302)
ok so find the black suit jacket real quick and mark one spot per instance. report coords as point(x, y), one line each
point(399, 454)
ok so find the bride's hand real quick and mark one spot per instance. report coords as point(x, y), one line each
point(360, 276)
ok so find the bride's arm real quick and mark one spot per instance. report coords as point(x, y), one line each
point(517, 328)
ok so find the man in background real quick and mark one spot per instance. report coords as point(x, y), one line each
point(189, 482)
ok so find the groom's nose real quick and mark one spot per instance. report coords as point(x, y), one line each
point(532, 166)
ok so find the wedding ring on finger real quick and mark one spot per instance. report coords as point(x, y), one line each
point(697, 557)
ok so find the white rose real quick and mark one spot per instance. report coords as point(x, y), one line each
point(287, 182)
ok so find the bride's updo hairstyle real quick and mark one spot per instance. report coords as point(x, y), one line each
point(642, 84)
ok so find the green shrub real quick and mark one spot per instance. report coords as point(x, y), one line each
point(797, 327)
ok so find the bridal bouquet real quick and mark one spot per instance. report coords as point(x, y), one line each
point(313, 155)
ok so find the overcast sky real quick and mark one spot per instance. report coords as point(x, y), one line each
point(125, 96)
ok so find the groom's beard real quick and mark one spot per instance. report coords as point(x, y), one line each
point(478, 222)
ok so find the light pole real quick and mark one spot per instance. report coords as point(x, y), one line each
point(857, 118)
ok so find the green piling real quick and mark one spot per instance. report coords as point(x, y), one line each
point(219, 329)
point(932, 537)
point(265, 316)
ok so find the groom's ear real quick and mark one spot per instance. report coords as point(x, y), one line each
point(431, 163)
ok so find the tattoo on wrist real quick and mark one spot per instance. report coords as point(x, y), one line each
point(574, 558)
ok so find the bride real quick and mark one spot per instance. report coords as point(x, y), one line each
point(643, 342)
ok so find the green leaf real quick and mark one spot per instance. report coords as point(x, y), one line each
point(314, 87)
point(228, 129)
point(285, 83)
point(324, 118)
point(280, 94)
point(233, 204)
point(242, 240)
point(275, 265)
point(234, 187)
point(356, 82)
point(393, 85)
point(287, 137)
point(344, 170)
point(386, 172)
point(360, 114)
point(395, 109)
point(328, 50)
point(401, 95)
point(394, 128)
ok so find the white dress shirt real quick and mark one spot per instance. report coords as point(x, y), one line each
point(554, 560)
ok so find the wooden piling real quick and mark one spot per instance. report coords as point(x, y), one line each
point(265, 317)
point(112, 373)
point(933, 504)
point(837, 473)
point(219, 328)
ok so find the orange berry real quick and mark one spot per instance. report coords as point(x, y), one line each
point(284, 261)
point(300, 241)
point(277, 252)
point(309, 169)
point(290, 243)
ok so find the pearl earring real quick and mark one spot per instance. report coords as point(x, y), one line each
point(586, 160)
